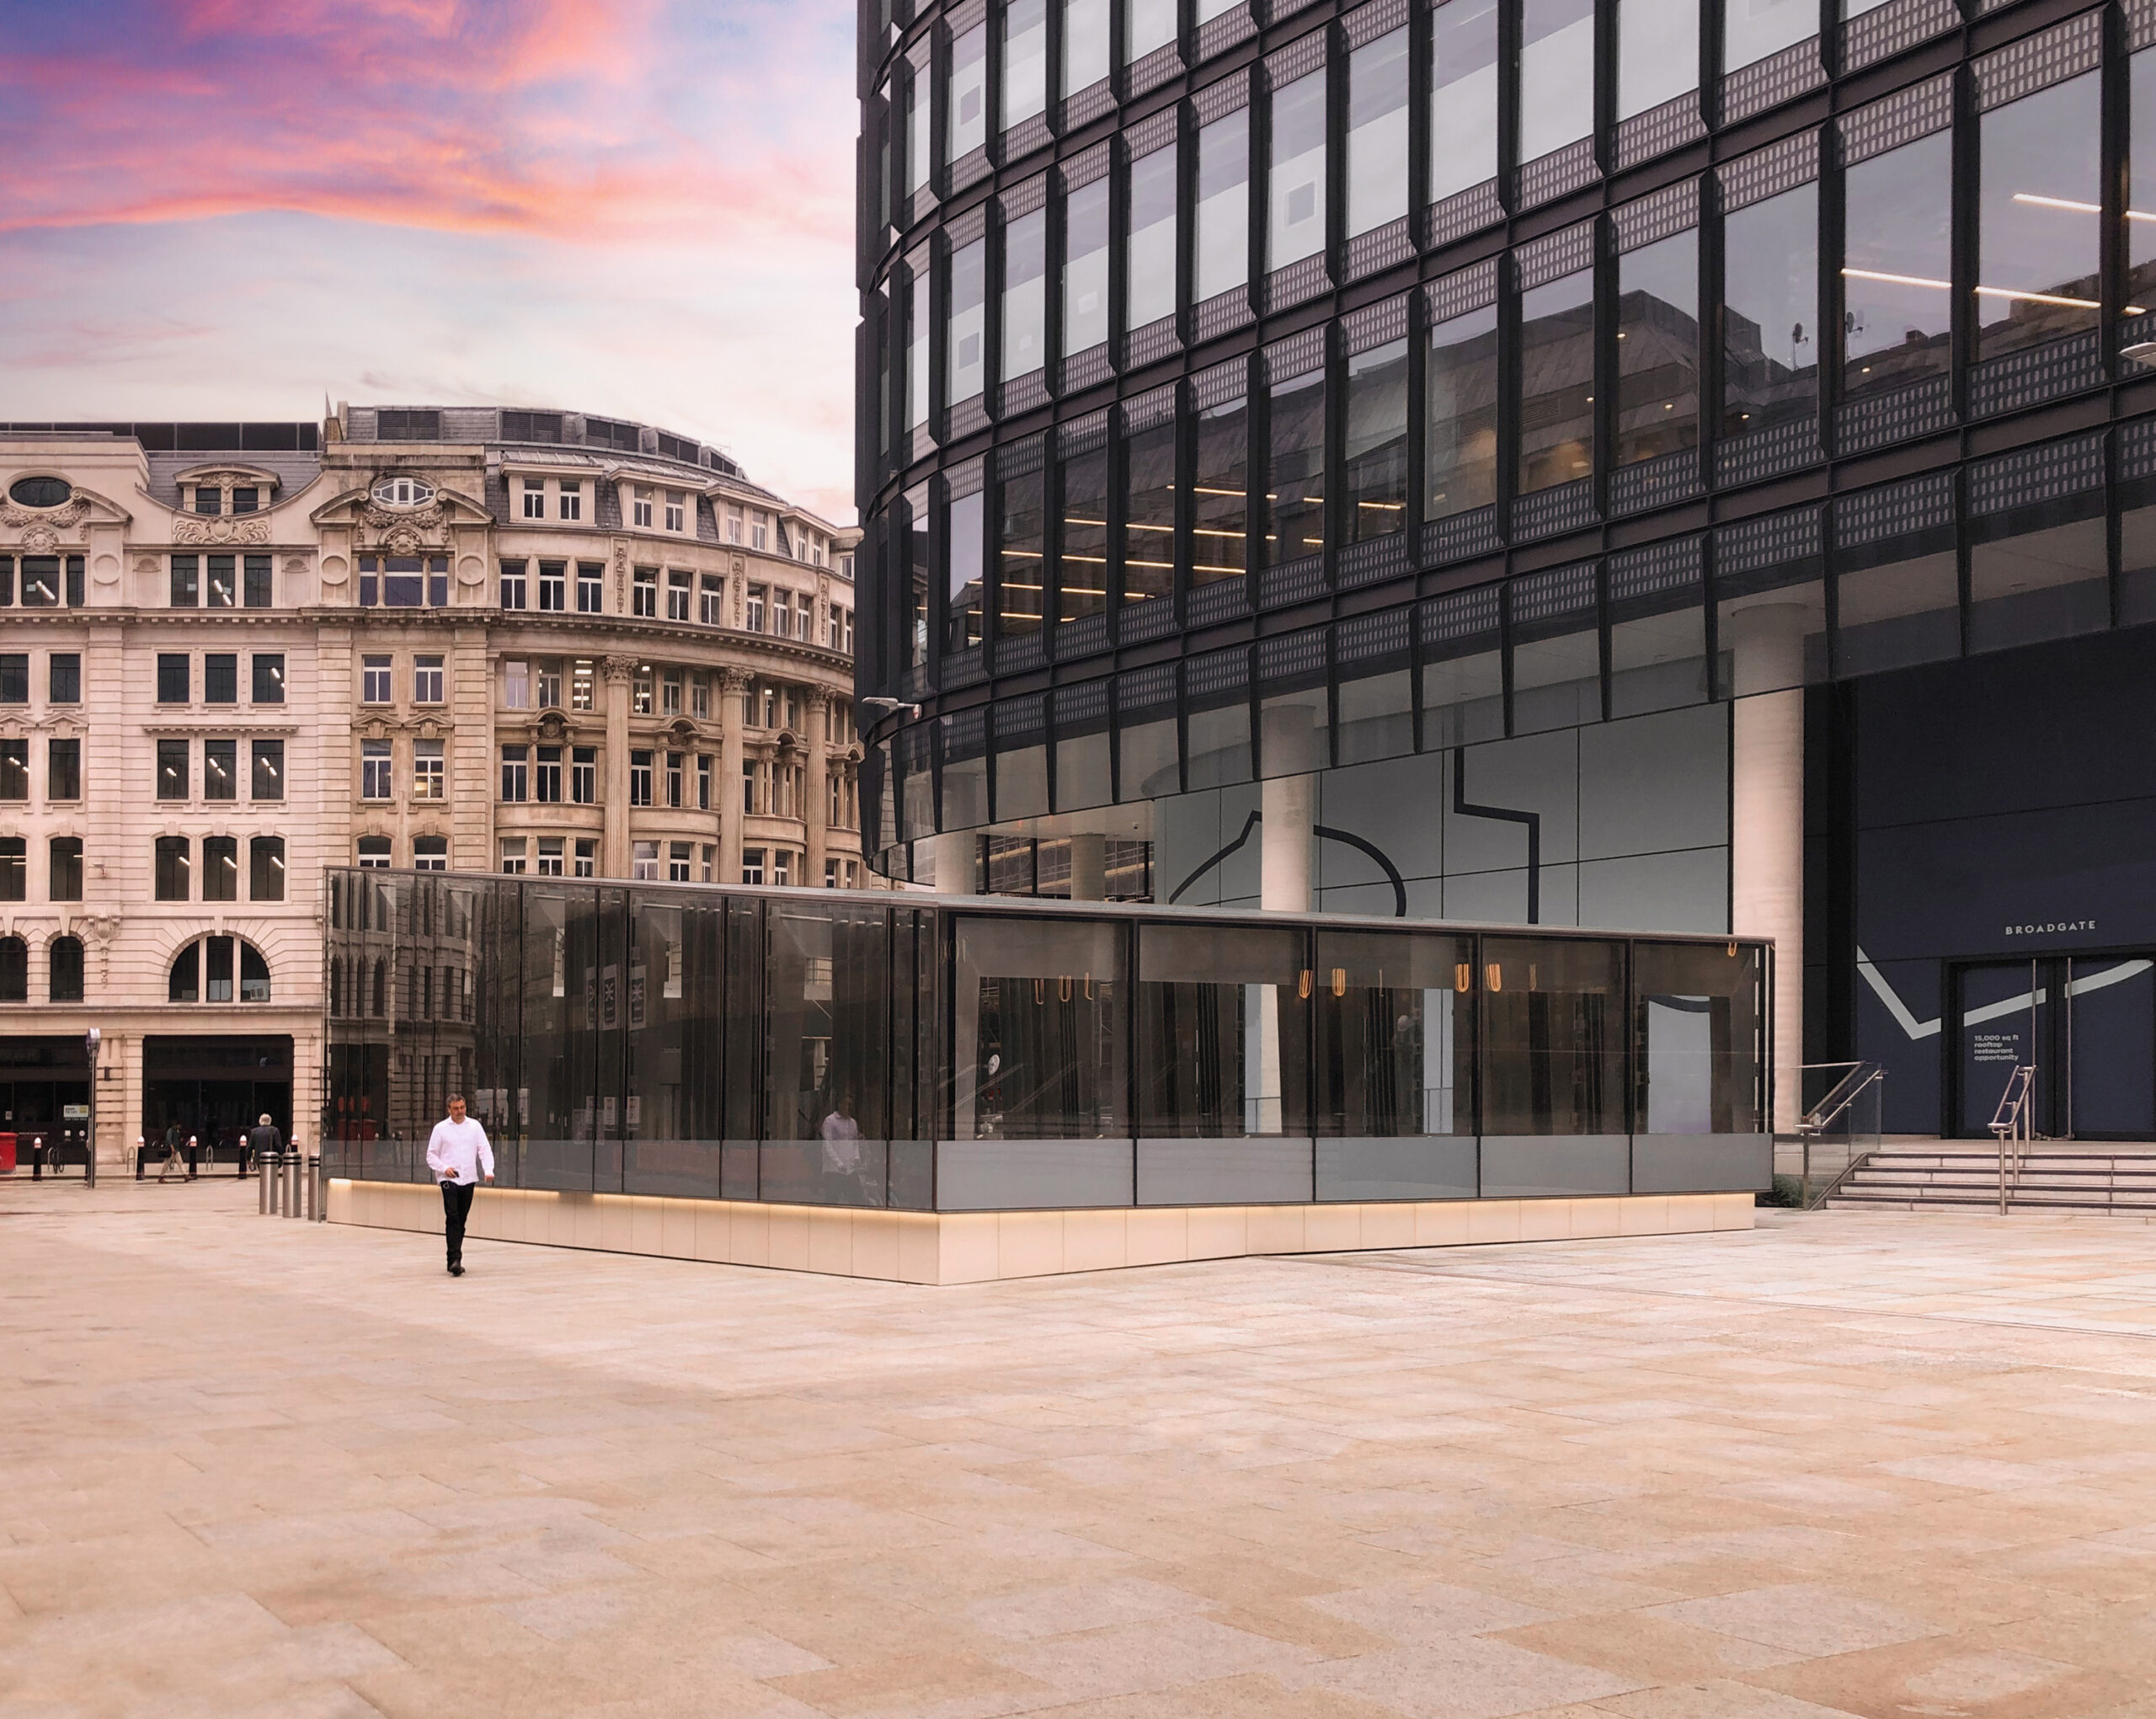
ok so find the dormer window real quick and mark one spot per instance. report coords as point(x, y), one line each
point(403, 492)
point(640, 510)
point(246, 499)
point(208, 500)
point(40, 492)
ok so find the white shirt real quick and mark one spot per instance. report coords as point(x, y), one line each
point(457, 1151)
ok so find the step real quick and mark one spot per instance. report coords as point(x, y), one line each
point(1855, 1198)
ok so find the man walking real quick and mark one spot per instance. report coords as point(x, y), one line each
point(262, 1139)
point(458, 1155)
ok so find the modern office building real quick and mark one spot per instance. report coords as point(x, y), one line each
point(1656, 465)
point(231, 654)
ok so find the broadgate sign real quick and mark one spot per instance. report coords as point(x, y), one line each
point(2051, 927)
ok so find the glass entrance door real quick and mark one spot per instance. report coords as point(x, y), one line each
point(2089, 1024)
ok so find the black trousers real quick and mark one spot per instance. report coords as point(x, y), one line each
point(456, 1207)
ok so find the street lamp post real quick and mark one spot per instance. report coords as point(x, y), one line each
point(90, 1042)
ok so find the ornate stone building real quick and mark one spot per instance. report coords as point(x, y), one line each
point(462, 639)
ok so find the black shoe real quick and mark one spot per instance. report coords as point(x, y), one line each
point(456, 1271)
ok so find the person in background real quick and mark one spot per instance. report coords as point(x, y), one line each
point(458, 1155)
point(262, 1139)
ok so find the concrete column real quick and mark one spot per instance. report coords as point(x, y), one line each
point(954, 858)
point(1288, 804)
point(1089, 868)
point(1766, 848)
point(815, 816)
point(734, 686)
point(614, 846)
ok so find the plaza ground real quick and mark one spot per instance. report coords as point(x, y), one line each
point(1879, 1465)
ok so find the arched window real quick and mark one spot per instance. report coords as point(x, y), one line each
point(64, 957)
point(336, 985)
point(381, 988)
point(202, 972)
point(14, 970)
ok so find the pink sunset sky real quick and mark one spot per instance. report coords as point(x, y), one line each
point(225, 209)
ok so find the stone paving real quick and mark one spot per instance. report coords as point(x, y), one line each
point(1851, 1463)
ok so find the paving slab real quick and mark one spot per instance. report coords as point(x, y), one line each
point(1879, 1464)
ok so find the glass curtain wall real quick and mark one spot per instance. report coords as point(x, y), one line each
point(1658, 349)
point(1658, 53)
point(1463, 97)
point(1025, 61)
point(966, 105)
point(2140, 237)
point(1086, 268)
point(2040, 220)
point(1295, 499)
point(1025, 294)
point(1460, 394)
point(1377, 133)
point(966, 600)
point(1556, 417)
point(966, 354)
point(1295, 208)
point(1148, 513)
point(1557, 75)
point(1770, 313)
point(1898, 293)
point(1021, 554)
point(1151, 256)
point(1220, 503)
point(1757, 29)
point(1222, 250)
point(1084, 45)
point(1375, 457)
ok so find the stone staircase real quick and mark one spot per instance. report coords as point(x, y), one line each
point(2056, 1177)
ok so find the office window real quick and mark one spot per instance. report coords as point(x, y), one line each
point(404, 581)
point(15, 769)
point(173, 870)
point(965, 111)
point(186, 582)
point(516, 774)
point(703, 781)
point(966, 305)
point(2039, 219)
point(644, 594)
point(513, 592)
point(1377, 133)
point(63, 770)
point(640, 510)
point(1220, 499)
point(2140, 238)
point(732, 522)
point(430, 853)
point(172, 770)
point(782, 867)
point(1025, 302)
point(375, 679)
point(759, 525)
point(1460, 429)
point(1755, 30)
point(429, 771)
point(535, 498)
point(585, 857)
point(550, 856)
point(15, 678)
point(1557, 75)
point(920, 305)
point(1025, 61)
point(265, 867)
point(374, 853)
point(1658, 349)
point(1086, 268)
point(173, 679)
point(220, 868)
point(268, 677)
point(1149, 260)
point(640, 691)
point(1658, 53)
point(968, 572)
point(220, 678)
point(590, 587)
point(42, 576)
point(1463, 96)
point(64, 970)
point(546, 684)
point(700, 697)
point(1082, 559)
point(707, 856)
point(255, 588)
point(221, 770)
point(1376, 455)
point(752, 865)
point(753, 617)
point(553, 597)
point(679, 854)
point(1770, 312)
point(64, 677)
point(14, 868)
point(1020, 554)
point(208, 500)
point(426, 681)
point(185, 984)
point(676, 515)
point(516, 684)
point(375, 782)
point(246, 499)
point(1147, 25)
point(66, 859)
point(513, 849)
point(267, 761)
point(673, 761)
point(1295, 225)
point(1222, 252)
point(1295, 504)
point(677, 594)
point(749, 771)
point(1084, 45)
point(1897, 279)
point(221, 587)
point(643, 862)
point(547, 776)
point(669, 693)
point(711, 596)
point(1557, 361)
point(583, 775)
point(6, 580)
point(639, 778)
point(572, 501)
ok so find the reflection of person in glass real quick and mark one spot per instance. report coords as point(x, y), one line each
point(841, 1136)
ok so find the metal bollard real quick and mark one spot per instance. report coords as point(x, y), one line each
point(291, 1189)
point(314, 1189)
point(265, 1166)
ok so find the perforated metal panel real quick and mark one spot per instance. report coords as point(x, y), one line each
point(1141, 690)
point(1368, 637)
point(1087, 369)
point(1659, 130)
point(2036, 374)
point(1024, 197)
point(1923, 503)
point(1374, 559)
point(1148, 411)
point(1082, 436)
point(1015, 459)
point(2137, 450)
point(1460, 537)
point(1769, 82)
point(1088, 104)
point(1083, 168)
point(1380, 18)
point(1222, 601)
point(1773, 540)
point(1375, 324)
point(1015, 654)
point(1459, 617)
point(1901, 118)
point(2051, 472)
point(1566, 507)
point(1216, 35)
point(1673, 209)
point(1154, 131)
point(1292, 657)
point(1297, 355)
point(1300, 281)
point(1555, 255)
point(1455, 295)
point(1553, 593)
point(1298, 59)
point(1767, 453)
point(1767, 173)
point(1922, 409)
point(1221, 313)
point(1152, 619)
point(965, 733)
point(1380, 248)
point(1086, 636)
point(1292, 582)
point(1084, 702)
point(1022, 394)
point(967, 477)
point(2140, 24)
point(1222, 383)
point(967, 226)
point(1892, 29)
point(1020, 718)
point(1217, 673)
point(1657, 569)
point(1656, 483)
point(1156, 340)
point(1462, 213)
point(1217, 100)
point(1551, 176)
point(2038, 61)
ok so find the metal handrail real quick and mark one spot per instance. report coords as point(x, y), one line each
point(1861, 1078)
point(2011, 1125)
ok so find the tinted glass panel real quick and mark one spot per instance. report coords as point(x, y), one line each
point(1770, 312)
point(1295, 225)
point(1699, 1015)
point(1223, 247)
point(1294, 505)
point(1460, 431)
point(1220, 505)
point(1152, 254)
point(1462, 96)
point(1557, 368)
point(2040, 225)
point(1038, 1050)
point(1025, 297)
point(1222, 1024)
point(1557, 74)
point(1553, 1036)
point(1658, 53)
point(1896, 284)
point(1086, 268)
point(1377, 133)
point(1658, 349)
point(1376, 456)
point(1396, 1041)
point(1148, 513)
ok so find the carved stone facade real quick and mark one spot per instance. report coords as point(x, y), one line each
point(253, 665)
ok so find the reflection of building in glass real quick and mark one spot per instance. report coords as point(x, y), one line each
point(1521, 460)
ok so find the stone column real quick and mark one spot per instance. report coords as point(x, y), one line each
point(1288, 801)
point(734, 686)
point(614, 846)
point(955, 860)
point(815, 821)
point(1089, 867)
point(1766, 835)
